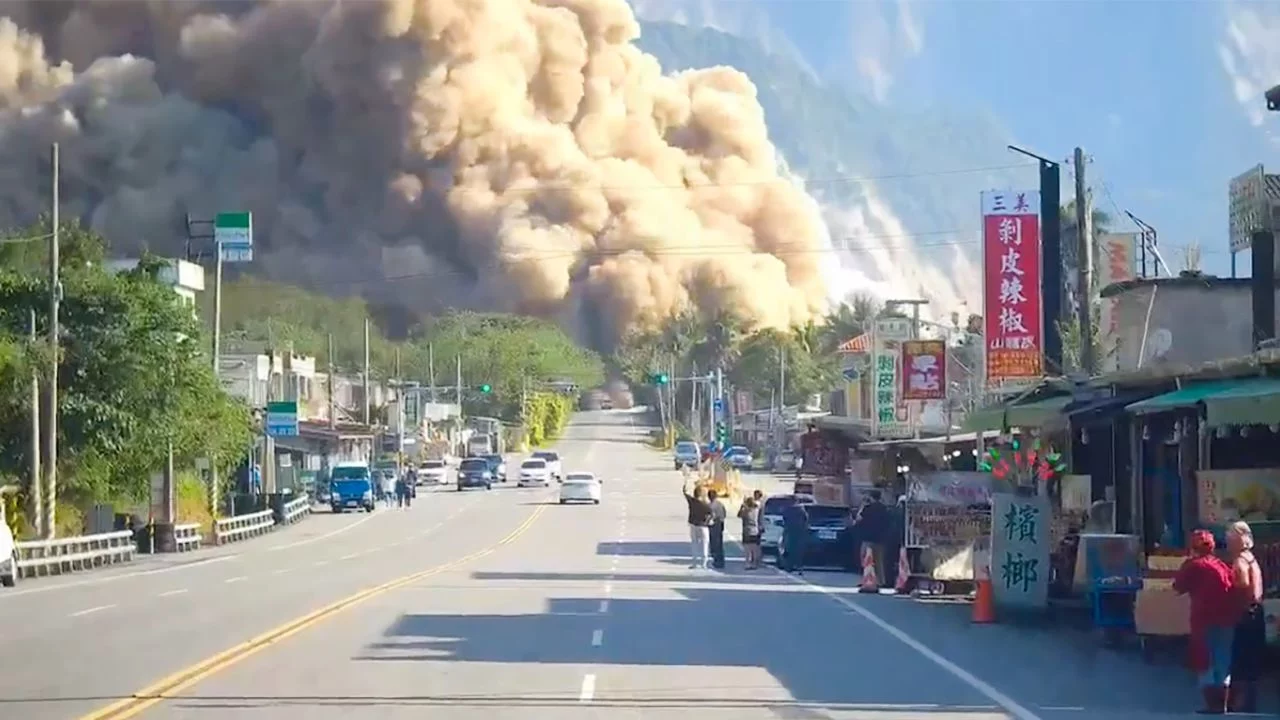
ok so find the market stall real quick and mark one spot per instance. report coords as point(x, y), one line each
point(947, 519)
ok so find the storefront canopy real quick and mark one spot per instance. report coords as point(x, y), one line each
point(1083, 412)
point(1036, 413)
point(1237, 401)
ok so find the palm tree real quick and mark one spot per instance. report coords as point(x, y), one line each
point(849, 319)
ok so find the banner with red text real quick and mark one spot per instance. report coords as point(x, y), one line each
point(924, 365)
point(1013, 310)
point(1118, 263)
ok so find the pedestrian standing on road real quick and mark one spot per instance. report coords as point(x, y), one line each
point(749, 513)
point(799, 465)
point(388, 488)
point(1214, 611)
point(875, 526)
point(716, 539)
point(795, 537)
point(1249, 641)
point(699, 526)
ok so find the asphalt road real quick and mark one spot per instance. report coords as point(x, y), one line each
point(507, 605)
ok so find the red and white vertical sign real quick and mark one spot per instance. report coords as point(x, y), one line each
point(1013, 309)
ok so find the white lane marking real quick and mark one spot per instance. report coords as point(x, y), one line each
point(320, 563)
point(282, 571)
point(327, 535)
point(608, 588)
point(113, 578)
point(1010, 705)
point(604, 606)
point(588, 690)
point(597, 637)
point(171, 593)
point(90, 611)
point(238, 578)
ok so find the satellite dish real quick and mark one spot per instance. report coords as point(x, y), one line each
point(1159, 343)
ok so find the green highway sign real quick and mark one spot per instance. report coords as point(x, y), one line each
point(282, 419)
point(233, 234)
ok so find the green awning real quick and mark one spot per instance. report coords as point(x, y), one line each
point(1037, 413)
point(1237, 401)
point(1254, 402)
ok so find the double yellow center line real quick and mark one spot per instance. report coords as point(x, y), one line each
point(174, 684)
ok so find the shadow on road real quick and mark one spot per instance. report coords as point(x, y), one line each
point(821, 657)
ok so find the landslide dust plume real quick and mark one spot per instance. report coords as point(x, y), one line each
point(519, 155)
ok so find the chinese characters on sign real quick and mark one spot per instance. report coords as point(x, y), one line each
point(1020, 550)
point(1012, 309)
point(888, 406)
point(1118, 265)
point(925, 370)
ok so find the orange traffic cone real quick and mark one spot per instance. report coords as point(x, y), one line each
point(870, 583)
point(904, 571)
point(984, 610)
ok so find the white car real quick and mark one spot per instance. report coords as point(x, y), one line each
point(8, 554)
point(433, 472)
point(580, 487)
point(534, 473)
point(553, 462)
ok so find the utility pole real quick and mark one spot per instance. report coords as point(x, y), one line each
point(1084, 267)
point(400, 417)
point(55, 346)
point(778, 429)
point(431, 370)
point(457, 382)
point(1050, 255)
point(365, 378)
point(36, 498)
point(215, 485)
point(333, 405)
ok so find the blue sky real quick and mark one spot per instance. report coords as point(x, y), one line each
point(1164, 95)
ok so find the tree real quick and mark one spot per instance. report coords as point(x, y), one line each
point(759, 367)
point(1069, 329)
point(849, 319)
point(132, 375)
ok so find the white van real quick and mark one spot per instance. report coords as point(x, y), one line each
point(8, 553)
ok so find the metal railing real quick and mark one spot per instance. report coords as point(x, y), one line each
point(237, 528)
point(295, 510)
point(187, 537)
point(53, 557)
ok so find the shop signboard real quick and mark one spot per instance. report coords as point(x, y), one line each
point(1012, 303)
point(1248, 207)
point(951, 487)
point(1117, 264)
point(1252, 495)
point(924, 374)
point(1020, 551)
point(891, 418)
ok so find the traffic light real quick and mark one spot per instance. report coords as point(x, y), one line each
point(486, 388)
point(658, 379)
point(722, 433)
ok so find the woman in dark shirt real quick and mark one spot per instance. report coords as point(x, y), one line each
point(699, 527)
point(750, 515)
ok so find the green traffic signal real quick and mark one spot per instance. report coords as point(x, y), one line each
point(486, 388)
point(658, 378)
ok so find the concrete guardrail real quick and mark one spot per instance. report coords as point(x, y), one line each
point(295, 510)
point(187, 537)
point(54, 557)
point(234, 529)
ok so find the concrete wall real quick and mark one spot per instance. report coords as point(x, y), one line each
point(1191, 321)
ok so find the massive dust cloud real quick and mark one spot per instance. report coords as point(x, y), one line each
point(518, 155)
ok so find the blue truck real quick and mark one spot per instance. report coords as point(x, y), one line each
point(351, 487)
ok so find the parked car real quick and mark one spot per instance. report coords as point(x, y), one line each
point(8, 554)
point(771, 521)
point(832, 542)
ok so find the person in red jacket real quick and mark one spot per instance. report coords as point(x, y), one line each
point(1208, 582)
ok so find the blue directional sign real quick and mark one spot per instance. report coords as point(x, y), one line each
point(282, 419)
point(718, 404)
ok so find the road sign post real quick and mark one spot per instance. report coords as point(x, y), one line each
point(282, 419)
point(233, 233)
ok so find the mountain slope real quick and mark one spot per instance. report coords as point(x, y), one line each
point(906, 221)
